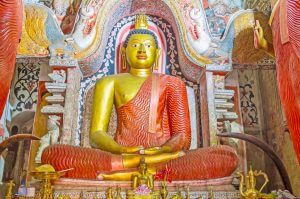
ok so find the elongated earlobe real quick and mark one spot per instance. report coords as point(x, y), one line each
point(156, 64)
point(124, 62)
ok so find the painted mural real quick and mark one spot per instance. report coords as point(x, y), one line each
point(207, 31)
point(25, 88)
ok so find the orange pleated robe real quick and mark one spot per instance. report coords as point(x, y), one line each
point(172, 115)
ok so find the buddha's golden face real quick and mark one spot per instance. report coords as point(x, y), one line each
point(141, 51)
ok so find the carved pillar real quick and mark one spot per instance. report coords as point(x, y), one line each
point(216, 106)
point(71, 105)
point(60, 109)
point(208, 116)
point(69, 96)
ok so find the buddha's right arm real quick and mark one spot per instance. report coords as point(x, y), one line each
point(104, 142)
point(102, 107)
point(101, 111)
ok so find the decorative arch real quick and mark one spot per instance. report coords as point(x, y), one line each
point(112, 11)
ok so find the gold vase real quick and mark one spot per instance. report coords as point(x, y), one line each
point(164, 191)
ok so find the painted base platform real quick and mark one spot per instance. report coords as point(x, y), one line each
point(193, 195)
point(91, 189)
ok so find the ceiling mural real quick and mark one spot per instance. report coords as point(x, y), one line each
point(218, 14)
point(81, 28)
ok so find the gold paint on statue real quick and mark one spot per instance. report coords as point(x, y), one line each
point(109, 193)
point(140, 55)
point(164, 191)
point(118, 195)
point(249, 191)
point(143, 178)
point(141, 22)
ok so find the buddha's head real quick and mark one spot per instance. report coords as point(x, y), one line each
point(141, 47)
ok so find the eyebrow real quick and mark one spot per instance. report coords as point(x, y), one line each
point(136, 40)
point(148, 40)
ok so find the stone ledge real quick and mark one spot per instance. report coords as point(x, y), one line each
point(223, 184)
point(193, 194)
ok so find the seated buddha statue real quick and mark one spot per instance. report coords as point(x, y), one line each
point(143, 177)
point(152, 123)
point(142, 184)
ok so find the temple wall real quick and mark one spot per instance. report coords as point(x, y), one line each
point(251, 114)
point(22, 102)
point(276, 132)
point(263, 118)
point(258, 98)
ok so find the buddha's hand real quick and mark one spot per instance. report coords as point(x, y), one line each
point(129, 150)
point(259, 40)
point(156, 150)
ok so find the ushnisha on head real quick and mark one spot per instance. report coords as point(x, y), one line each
point(140, 49)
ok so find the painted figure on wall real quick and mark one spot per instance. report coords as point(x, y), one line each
point(285, 23)
point(69, 19)
point(208, 29)
point(153, 122)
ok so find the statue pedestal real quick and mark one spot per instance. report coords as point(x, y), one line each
point(89, 189)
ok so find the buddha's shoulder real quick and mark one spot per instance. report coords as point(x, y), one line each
point(112, 78)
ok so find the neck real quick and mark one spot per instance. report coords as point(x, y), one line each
point(141, 72)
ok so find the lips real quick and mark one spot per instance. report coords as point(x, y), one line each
point(141, 56)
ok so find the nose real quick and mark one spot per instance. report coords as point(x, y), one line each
point(142, 49)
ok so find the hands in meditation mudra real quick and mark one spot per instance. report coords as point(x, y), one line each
point(152, 122)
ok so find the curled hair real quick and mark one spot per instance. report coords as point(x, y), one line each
point(143, 32)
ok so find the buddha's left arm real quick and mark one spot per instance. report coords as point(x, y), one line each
point(179, 117)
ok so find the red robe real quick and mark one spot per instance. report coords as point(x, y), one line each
point(11, 13)
point(172, 115)
point(286, 39)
